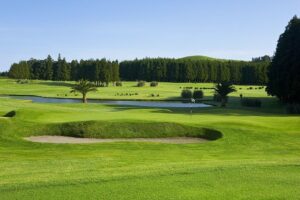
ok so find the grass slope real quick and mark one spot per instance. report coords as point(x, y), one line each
point(257, 157)
point(200, 57)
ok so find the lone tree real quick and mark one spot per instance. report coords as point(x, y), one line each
point(84, 87)
point(284, 71)
point(223, 89)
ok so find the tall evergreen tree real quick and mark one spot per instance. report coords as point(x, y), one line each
point(284, 72)
point(63, 70)
point(49, 68)
point(20, 70)
point(74, 70)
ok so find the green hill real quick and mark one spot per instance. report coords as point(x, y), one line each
point(194, 58)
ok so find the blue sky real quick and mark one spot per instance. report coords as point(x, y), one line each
point(128, 29)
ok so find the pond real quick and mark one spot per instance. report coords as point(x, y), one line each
point(153, 104)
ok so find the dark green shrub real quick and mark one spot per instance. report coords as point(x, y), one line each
point(293, 108)
point(154, 84)
point(251, 102)
point(198, 94)
point(186, 94)
point(119, 84)
point(141, 83)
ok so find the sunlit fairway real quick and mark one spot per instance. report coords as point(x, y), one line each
point(127, 91)
point(258, 156)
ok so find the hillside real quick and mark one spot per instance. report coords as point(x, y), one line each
point(200, 57)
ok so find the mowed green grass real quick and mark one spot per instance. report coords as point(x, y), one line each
point(258, 156)
point(165, 90)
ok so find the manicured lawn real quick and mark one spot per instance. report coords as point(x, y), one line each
point(164, 90)
point(258, 156)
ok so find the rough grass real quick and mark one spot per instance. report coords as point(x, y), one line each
point(119, 129)
point(257, 157)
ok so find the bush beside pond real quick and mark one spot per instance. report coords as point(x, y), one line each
point(186, 94)
point(198, 94)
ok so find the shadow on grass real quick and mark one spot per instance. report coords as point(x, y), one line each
point(10, 114)
point(56, 83)
point(233, 109)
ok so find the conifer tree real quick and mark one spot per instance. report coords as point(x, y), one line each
point(284, 72)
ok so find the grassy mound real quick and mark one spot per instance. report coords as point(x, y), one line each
point(101, 129)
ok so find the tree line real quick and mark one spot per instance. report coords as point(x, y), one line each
point(98, 71)
point(149, 69)
point(182, 70)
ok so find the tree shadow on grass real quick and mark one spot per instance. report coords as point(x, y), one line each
point(56, 83)
point(218, 111)
point(120, 108)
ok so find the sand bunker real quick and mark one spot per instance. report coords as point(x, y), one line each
point(73, 140)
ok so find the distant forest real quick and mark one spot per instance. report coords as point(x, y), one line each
point(100, 72)
point(193, 70)
point(149, 69)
